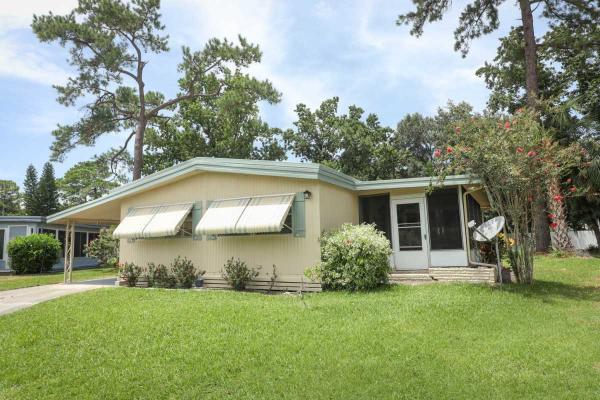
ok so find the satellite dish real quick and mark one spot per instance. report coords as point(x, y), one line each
point(488, 230)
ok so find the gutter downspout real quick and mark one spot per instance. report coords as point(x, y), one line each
point(466, 223)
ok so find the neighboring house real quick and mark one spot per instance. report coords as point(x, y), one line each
point(13, 226)
point(272, 213)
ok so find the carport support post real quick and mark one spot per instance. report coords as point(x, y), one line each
point(69, 238)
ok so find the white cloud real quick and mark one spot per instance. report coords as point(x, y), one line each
point(19, 59)
point(429, 60)
point(18, 14)
point(267, 23)
point(28, 62)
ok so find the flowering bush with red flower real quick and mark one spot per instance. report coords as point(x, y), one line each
point(514, 167)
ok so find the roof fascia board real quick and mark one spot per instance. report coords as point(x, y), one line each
point(415, 183)
point(254, 167)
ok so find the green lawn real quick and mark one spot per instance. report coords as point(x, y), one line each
point(415, 342)
point(20, 281)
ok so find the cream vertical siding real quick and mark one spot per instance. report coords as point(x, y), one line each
point(338, 206)
point(290, 254)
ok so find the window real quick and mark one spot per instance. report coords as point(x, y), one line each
point(376, 210)
point(51, 232)
point(409, 227)
point(61, 239)
point(474, 210)
point(16, 231)
point(92, 236)
point(80, 242)
point(444, 220)
point(187, 228)
point(2, 232)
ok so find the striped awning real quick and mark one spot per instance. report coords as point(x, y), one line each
point(153, 221)
point(259, 214)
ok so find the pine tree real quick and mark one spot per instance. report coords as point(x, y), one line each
point(30, 192)
point(47, 191)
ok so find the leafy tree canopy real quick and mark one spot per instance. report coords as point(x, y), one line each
point(9, 198)
point(357, 146)
point(227, 125)
point(109, 42)
point(87, 180)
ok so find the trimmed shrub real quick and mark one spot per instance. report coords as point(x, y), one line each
point(33, 254)
point(130, 272)
point(237, 273)
point(356, 257)
point(159, 276)
point(184, 272)
point(105, 248)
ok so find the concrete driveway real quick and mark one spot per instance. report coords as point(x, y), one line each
point(17, 299)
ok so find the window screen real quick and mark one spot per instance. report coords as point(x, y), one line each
point(2, 243)
point(376, 210)
point(80, 242)
point(51, 232)
point(474, 210)
point(444, 220)
point(92, 236)
point(16, 231)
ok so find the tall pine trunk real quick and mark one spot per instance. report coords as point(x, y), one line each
point(138, 149)
point(542, 231)
point(562, 241)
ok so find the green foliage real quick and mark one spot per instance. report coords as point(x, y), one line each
point(355, 146)
point(130, 273)
point(181, 274)
point(185, 273)
point(30, 192)
point(226, 125)
point(109, 42)
point(85, 181)
point(477, 19)
point(9, 198)
point(159, 276)
point(515, 159)
point(105, 248)
point(33, 254)
point(237, 273)
point(356, 257)
point(418, 136)
point(47, 191)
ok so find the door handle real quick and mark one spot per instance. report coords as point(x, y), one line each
point(425, 236)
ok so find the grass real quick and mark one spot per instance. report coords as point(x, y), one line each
point(8, 282)
point(455, 341)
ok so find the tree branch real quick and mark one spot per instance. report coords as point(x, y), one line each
point(153, 112)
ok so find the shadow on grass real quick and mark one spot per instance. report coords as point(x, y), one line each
point(548, 291)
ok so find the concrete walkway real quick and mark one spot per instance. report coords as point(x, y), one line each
point(17, 299)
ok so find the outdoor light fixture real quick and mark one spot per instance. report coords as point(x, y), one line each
point(307, 195)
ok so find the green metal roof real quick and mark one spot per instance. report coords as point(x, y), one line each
point(285, 169)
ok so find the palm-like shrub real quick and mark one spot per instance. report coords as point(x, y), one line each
point(356, 257)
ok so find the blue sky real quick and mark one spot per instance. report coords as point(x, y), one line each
point(312, 50)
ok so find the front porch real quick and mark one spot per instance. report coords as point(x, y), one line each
point(444, 274)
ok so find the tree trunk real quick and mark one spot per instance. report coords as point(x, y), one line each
point(596, 229)
point(138, 149)
point(558, 209)
point(531, 76)
point(542, 230)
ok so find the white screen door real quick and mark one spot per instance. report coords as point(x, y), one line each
point(409, 234)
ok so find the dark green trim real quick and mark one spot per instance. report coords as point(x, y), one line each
point(196, 215)
point(299, 215)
